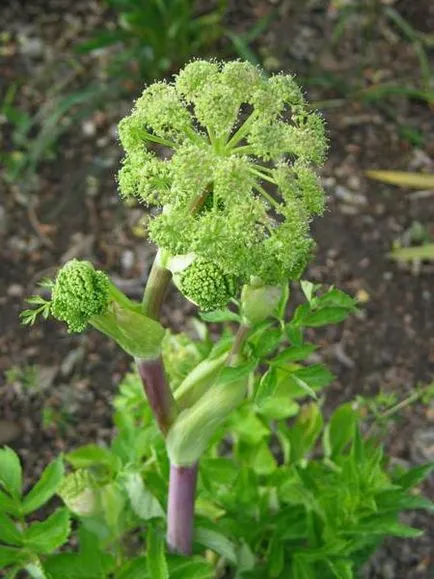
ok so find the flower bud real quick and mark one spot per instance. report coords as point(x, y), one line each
point(258, 302)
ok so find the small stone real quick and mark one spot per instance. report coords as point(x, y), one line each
point(15, 290)
point(127, 260)
point(362, 296)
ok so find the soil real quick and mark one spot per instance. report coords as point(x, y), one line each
point(55, 389)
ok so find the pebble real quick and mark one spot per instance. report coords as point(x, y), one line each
point(15, 290)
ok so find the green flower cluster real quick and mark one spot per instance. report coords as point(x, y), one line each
point(80, 292)
point(206, 285)
point(230, 158)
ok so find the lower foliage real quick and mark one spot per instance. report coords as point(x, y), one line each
point(282, 492)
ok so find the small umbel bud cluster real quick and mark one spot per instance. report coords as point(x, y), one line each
point(237, 183)
point(206, 285)
point(80, 292)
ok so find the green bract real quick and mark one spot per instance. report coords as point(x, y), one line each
point(237, 176)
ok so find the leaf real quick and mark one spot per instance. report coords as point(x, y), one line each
point(325, 316)
point(276, 559)
point(10, 471)
point(191, 568)
point(409, 253)
point(305, 432)
point(35, 569)
point(267, 387)
point(294, 354)
point(278, 408)
point(8, 505)
point(339, 430)
point(268, 342)
point(46, 486)
point(385, 526)
point(217, 542)
point(155, 555)
point(9, 556)
point(219, 316)
point(316, 376)
point(9, 532)
point(135, 569)
point(49, 535)
point(91, 455)
point(309, 289)
point(302, 569)
point(295, 334)
point(404, 179)
point(414, 476)
point(143, 502)
point(341, 569)
point(231, 374)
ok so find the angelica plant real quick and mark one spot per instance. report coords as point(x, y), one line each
point(226, 162)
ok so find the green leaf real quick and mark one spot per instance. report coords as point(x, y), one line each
point(9, 556)
point(387, 526)
point(295, 334)
point(341, 569)
point(35, 569)
point(191, 568)
point(9, 532)
point(305, 432)
point(46, 486)
point(302, 569)
point(231, 374)
point(143, 503)
point(278, 408)
point(155, 555)
point(220, 316)
point(10, 472)
point(217, 542)
point(309, 289)
point(135, 569)
point(268, 342)
point(294, 354)
point(316, 376)
point(219, 470)
point(339, 430)
point(325, 316)
point(267, 387)
point(414, 476)
point(248, 427)
point(49, 535)
point(275, 557)
point(91, 455)
point(337, 298)
point(8, 505)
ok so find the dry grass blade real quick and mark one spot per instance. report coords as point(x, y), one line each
point(404, 179)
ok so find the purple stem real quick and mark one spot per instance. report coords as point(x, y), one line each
point(180, 511)
point(158, 392)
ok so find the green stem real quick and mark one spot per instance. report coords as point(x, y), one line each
point(240, 338)
point(267, 196)
point(262, 175)
point(242, 132)
point(156, 288)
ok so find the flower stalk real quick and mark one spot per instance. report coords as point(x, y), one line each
point(180, 512)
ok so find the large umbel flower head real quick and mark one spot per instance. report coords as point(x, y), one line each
point(236, 181)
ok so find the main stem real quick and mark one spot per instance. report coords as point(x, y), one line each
point(180, 510)
point(182, 482)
